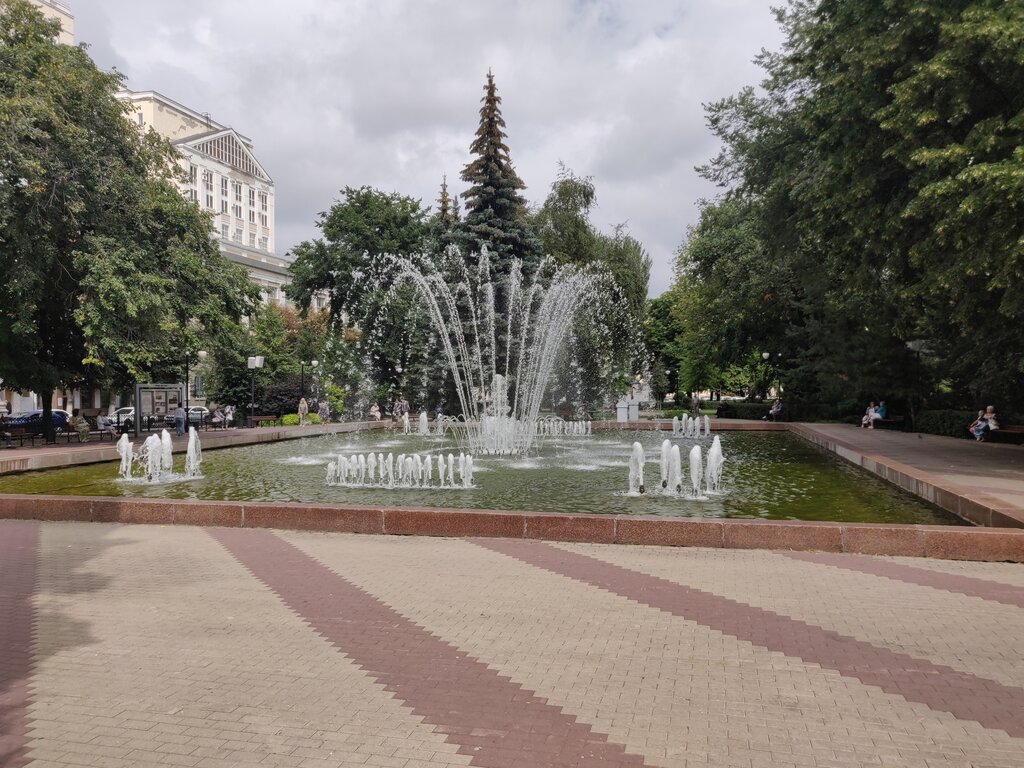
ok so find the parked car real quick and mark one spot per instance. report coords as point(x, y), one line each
point(33, 420)
point(197, 415)
point(124, 417)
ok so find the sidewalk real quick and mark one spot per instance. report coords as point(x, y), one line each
point(147, 646)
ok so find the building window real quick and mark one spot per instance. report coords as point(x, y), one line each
point(224, 231)
point(263, 243)
point(192, 173)
point(224, 186)
point(209, 201)
point(263, 219)
point(237, 210)
point(208, 182)
point(193, 196)
point(252, 240)
point(238, 192)
point(238, 234)
point(252, 216)
point(263, 201)
point(223, 206)
point(252, 197)
point(139, 119)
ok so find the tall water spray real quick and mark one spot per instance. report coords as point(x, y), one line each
point(125, 451)
point(715, 462)
point(424, 424)
point(636, 469)
point(696, 470)
point(500, 358)
point(193, 454)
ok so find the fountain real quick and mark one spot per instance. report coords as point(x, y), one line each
point(156, 458)
point(696, 470)
point(636, 470)
point(125, 451)
point(193, 454)
point(715, 462)
point(424, 424)
point(413, 471)
point(500, 359)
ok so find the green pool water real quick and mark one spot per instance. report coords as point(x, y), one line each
point(767, 475)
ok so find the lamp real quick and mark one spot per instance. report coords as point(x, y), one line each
point(253, 363)
point(302, 374)
point(201, 354)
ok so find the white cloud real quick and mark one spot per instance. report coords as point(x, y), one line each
point(386, 93)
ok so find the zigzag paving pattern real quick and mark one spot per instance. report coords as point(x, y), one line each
point(155, 646)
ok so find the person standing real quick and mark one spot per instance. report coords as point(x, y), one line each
point(179, 420)
point(324, 411)
point(303, 411)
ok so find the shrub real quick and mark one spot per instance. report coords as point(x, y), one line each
point(948, 422)
point(292, 419)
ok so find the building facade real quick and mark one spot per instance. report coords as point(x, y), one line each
point(61, 11)
point(224, 178)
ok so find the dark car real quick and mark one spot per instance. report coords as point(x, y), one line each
point(33, 420)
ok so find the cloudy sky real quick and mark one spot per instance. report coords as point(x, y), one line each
point(386, 92)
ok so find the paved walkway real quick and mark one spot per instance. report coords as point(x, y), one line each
point(154, 646)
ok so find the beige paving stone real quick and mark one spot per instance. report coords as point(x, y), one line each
point(147, 633)
point(676, 691)
point(1002, 573)
point(971, 634)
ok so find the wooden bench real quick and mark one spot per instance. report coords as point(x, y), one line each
point(1014, 433)
point(258, 420)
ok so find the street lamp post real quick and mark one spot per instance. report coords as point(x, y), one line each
point(302, 374)
point(767, 384)
point(202, 356)
point(253, 363)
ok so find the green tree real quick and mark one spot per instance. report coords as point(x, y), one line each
point(106, 269)
point(495, 210)
point(883, 168)
point(359, 230)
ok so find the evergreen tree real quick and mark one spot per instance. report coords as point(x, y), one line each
point(495, 210)
point(443, 225)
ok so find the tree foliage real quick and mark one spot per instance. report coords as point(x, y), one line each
point(495, 209)
point(875, 191)
point(108, 272)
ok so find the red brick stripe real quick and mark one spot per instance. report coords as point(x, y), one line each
point(941, 688)
point(949, 582)
point(19, 553)
point(497, 722)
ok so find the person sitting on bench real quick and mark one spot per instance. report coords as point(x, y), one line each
point(78, 423)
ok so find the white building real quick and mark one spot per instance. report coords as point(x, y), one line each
point(224, 178)
point(52, 9)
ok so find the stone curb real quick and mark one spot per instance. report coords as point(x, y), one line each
point(935, 541)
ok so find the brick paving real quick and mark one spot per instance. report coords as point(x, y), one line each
point(153, 646)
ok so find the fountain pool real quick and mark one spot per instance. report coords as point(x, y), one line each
point(767, 475)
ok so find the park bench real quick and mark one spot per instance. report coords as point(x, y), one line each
point(21, 434)
point(95, 433)
point(258, 420)
point(1014, 433)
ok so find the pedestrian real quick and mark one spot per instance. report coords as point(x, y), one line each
point(303, 411)
point(179, 420)
point(324, 411)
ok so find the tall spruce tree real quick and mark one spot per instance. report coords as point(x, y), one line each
point(495, 211)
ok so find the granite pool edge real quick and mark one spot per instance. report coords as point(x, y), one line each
point(930, 541)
